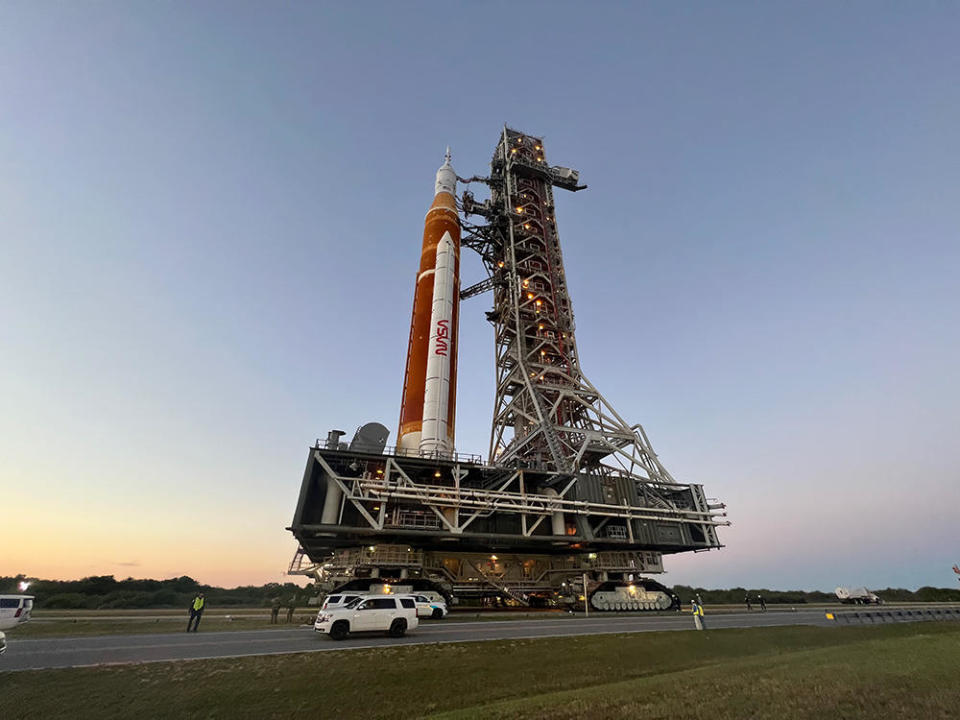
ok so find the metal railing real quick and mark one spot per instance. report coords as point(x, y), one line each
point(892, 615)
point(416, 520)
point(396, 451)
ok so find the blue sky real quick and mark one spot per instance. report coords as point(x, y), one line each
point(210, 219)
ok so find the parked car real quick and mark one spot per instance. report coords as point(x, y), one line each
point(369, 613)
point(428, 608)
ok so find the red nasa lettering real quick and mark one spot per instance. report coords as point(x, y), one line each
point(443, 333)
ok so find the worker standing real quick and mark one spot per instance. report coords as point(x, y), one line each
point(697, 611)
point(291, 605)
point(763, 603)
point(274, 610)
point(196, 612)
point(746, 599)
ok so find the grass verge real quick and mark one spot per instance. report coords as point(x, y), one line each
point(868, 672)
point(69, 627)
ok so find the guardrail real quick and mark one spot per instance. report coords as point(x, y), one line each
point(892, 615)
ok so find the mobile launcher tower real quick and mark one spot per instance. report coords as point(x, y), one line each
point(573, 501)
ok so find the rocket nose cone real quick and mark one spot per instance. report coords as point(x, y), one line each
point(446, 177)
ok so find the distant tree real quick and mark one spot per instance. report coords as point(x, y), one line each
point(67, 601)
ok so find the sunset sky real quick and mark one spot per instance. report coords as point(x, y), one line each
point(210, 218)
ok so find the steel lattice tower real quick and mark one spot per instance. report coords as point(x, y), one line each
point(547, 413)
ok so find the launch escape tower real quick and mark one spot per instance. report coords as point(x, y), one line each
point(570, 491)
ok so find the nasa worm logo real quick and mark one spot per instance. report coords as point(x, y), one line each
point(443, 333)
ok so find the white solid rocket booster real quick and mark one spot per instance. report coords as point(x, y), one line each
point(437, 390)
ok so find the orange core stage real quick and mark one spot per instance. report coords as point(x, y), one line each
point(428, 408)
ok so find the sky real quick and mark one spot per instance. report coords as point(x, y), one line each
point(210, 224)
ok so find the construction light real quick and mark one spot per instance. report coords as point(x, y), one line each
point(493, 557)
point(519, 209)
point(371, 548)
point(437, 474)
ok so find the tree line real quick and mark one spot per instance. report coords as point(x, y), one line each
point(736, 596)
point(106, 592)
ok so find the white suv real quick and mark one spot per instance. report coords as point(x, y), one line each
point(428, 608)
point(333, 602)
point(370, 613)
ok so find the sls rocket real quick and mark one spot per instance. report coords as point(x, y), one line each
point(427, 411)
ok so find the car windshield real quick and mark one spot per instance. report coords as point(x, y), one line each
point(353, 603)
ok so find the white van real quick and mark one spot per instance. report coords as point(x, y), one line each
point(14, 609)
point(369, 613)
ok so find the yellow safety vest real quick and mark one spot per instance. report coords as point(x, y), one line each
point(198, 603)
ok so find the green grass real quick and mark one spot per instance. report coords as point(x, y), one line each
point(900, 677)
point(804, 672)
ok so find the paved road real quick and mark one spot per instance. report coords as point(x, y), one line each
point(40, 653)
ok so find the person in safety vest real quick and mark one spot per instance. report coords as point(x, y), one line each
point(697, 611)
point(196, 611)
